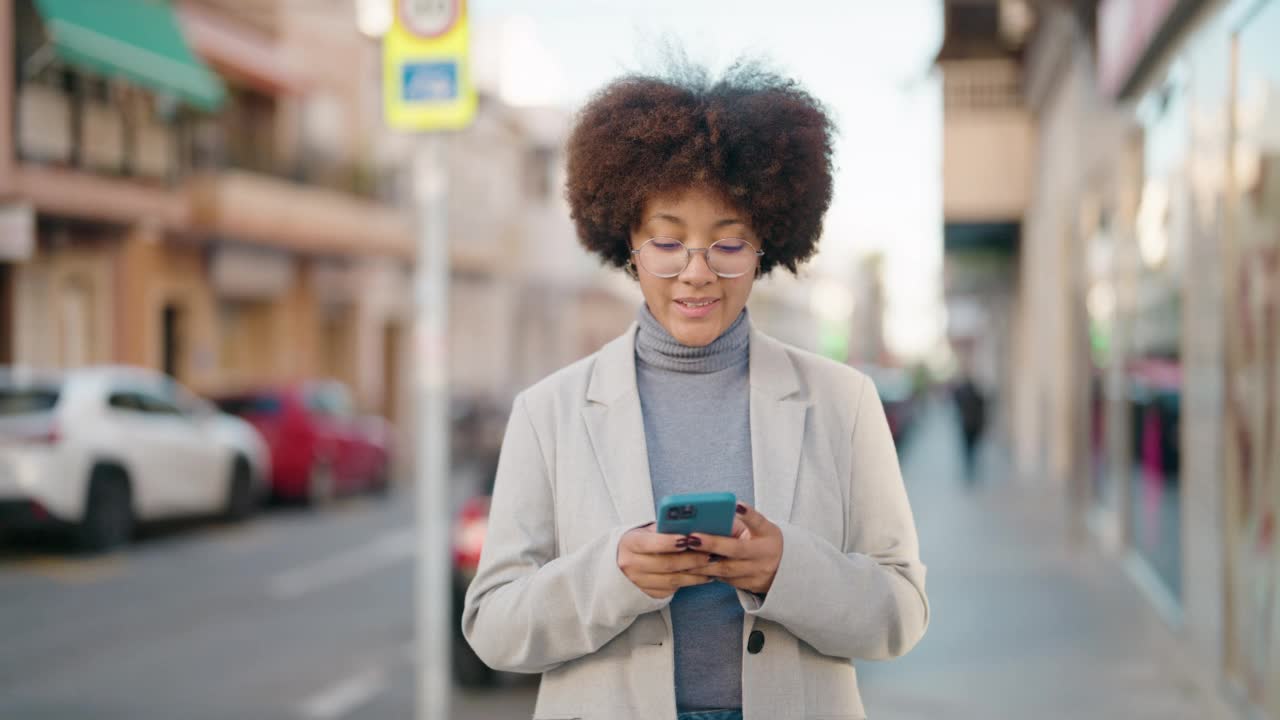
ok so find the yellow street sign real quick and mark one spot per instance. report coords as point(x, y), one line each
point(426, 75)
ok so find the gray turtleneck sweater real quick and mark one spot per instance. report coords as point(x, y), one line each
point(696, 405)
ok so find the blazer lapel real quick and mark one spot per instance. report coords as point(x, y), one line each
point(777, 426)
point(615, 425)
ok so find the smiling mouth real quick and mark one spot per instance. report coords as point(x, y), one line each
point(697, 303)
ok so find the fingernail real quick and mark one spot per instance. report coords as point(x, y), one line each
point(715, 558)
point(695, 542)
point(682, 543)
point(742, 509)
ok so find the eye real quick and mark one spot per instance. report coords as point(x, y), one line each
point(666, 244)
point(731, 247)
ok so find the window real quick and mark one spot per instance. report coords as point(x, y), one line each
point(329, 400)
point(251, 405)
point(28, 400)
point(155, 405)
point(127, 401)
point(142, 402)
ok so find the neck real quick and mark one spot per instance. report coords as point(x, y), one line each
point(655, 346)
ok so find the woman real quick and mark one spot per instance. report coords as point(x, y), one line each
point(697, 189)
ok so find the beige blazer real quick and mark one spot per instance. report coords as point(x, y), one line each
point(574, 476)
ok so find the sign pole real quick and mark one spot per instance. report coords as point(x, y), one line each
point(433, 597)
point(427, 89)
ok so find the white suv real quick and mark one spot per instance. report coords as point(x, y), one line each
point(100, 448)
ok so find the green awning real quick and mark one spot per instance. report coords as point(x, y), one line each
point(136, 39)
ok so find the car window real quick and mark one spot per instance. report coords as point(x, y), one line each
point(156, 405)
point(28, 400)
point(142, 402)
point(251, 405)
point(125, 400)
point(329, 400)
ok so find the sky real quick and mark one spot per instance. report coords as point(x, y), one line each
point(868, 60)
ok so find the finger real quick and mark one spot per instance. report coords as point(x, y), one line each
point(651, 543)
point(738, 528)
point(670, 581)
point(719, 545)
point(755, 522)
point(665, 564)
point(726, 569)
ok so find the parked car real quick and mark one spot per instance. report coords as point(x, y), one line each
point(319, 447)
point(469, 529)
point(99, 449)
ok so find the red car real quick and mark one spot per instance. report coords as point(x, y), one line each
point(319, 447)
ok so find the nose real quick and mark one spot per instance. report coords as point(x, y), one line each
point(698, 272)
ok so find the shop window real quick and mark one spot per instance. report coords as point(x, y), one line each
point(1253, 372)
point(1153, 367)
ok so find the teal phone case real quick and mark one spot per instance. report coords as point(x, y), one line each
point(708, 513)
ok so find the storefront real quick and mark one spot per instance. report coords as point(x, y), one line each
point(1253, 355)
point(1182, 268)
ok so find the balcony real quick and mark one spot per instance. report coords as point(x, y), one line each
point(95, 152)
point(82, 124)
point(300, 218)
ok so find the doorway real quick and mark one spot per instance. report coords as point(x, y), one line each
point(172, 324)
point(391, 349)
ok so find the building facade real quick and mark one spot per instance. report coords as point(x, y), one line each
point(1146, 367)
point(165, 204)
point(988, 146)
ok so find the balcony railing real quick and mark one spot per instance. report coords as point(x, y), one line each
point(981, 85)
point(59, 123)
point(71, 121)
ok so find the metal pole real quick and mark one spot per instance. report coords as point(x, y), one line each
point(431, 399)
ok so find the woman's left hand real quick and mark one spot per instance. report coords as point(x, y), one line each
point(750, 556)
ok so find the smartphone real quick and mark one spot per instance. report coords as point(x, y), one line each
point(708, 513)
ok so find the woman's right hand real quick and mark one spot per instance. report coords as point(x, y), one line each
point(660, 564)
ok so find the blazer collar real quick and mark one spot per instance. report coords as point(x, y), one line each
point(614, 375)
point(615, 425)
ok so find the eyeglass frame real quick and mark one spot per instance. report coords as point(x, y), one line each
point(688, 256)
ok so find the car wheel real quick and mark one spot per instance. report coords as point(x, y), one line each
point(108, 515)
point(239, 492)
point(320, 483)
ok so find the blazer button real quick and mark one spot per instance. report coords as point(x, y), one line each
point(755, 642)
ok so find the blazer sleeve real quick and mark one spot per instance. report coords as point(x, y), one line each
point(528, 610)
point(866, 600)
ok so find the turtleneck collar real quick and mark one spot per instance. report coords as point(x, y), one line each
point(657, 348)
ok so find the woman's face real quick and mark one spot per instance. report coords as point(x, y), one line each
point(696, 306)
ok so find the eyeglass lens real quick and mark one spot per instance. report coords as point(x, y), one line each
point(668, 257)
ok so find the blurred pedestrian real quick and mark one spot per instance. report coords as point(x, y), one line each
point(697, 188)
point(971, 407)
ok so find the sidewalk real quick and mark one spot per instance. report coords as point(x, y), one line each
point(1024, 624)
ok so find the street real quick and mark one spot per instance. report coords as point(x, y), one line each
point(308, 615)
point(295, 615)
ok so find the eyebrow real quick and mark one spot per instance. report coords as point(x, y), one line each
point(678, 221)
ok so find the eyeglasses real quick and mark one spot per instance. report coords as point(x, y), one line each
point(667, 257)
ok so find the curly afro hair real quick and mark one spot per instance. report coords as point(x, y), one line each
point(756, 137)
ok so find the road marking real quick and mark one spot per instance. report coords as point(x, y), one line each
point(340, 699)
point(387, 550)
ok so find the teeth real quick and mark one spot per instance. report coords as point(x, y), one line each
point(701, 304)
